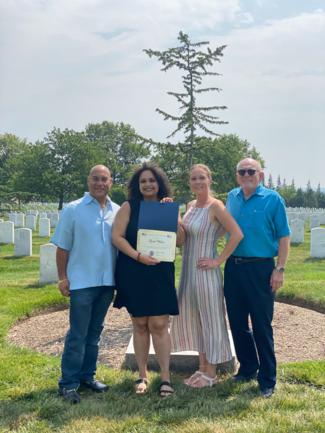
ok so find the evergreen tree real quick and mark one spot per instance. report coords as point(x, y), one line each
point(270, 183)
point(278, 183)
point(221, 154)
point(194, 63)
point(310, 196)
point(299, 199)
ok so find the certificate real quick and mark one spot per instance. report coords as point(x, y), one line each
point(158, 244)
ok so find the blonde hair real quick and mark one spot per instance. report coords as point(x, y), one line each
point(202, 167)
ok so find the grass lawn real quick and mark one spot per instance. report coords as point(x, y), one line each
point(28, 381)
point(305, 278)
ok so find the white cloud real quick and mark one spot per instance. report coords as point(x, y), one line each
point(70, 63)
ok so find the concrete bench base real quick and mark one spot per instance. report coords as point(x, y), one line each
point(186, 362)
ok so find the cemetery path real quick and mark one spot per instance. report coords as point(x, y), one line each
point(299, 334)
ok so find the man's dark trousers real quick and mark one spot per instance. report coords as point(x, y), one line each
point(88, 308)
point(248, 293)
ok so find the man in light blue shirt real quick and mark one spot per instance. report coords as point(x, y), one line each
point(86, 264)
point(251, 277)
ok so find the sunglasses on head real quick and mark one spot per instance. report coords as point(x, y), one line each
point(249, 171)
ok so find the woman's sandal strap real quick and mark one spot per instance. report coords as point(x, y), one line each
point(141, 380)
point(166, 391)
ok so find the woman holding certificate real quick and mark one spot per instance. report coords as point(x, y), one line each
point(201, 324)
point(145, 286)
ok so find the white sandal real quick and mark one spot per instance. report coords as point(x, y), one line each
point(208, 381)
point(192, 378)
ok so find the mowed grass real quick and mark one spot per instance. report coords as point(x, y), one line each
point(28, 381)
point(304, 278)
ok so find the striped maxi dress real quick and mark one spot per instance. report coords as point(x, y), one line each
point(201, 324)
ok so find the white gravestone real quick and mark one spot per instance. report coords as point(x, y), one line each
point(23, 242)
point(7, 232)
point(322, 218)
point(54, 219)
point(43, 215)
point(314, 221)
point(31, 222)
point(44, 227)
point(297, 231)
point(12, 217)
point(317, 243)
point(48, 270)
point(20, 220)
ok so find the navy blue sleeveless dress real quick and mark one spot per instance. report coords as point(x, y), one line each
point(144, 290)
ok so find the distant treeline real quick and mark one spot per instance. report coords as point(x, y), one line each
point(55, 168)
point(298, 197)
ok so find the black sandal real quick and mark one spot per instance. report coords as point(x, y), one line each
point(165, 392)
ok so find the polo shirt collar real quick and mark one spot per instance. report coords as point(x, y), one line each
point(88, 198)
point(259, 191)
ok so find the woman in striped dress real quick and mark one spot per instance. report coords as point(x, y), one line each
point(201, 324)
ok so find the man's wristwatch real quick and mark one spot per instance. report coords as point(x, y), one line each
point(279, 269)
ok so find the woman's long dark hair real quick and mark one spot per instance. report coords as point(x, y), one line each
point(160, 176)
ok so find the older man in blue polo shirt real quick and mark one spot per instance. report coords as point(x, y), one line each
point(86, 264)
point(251, 275)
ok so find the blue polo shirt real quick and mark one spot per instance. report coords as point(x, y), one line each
point(84, 229)
point(262, 219)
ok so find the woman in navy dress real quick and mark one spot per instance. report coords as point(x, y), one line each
point(145, 286)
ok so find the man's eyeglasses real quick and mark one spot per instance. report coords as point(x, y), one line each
point(99, 178)
point(249, 171)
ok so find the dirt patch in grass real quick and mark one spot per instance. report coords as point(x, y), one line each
point(299, 334)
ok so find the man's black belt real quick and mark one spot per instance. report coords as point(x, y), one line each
point(239, 260)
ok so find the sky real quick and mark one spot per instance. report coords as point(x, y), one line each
point(69, 63)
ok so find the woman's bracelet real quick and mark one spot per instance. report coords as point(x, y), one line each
point(138, 256)
point(61, 281)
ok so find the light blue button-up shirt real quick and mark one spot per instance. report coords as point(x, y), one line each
point(84, 229)
point(262, 219)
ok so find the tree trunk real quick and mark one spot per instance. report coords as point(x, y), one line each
point(60, 201)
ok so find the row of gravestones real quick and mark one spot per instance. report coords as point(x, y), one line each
point(22, 240)
point(21, 237)
point(298, 217)
point(48, 269)
point(29, 220)
point(8, 233)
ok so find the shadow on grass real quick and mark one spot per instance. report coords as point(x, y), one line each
point(37, 285)
point(314, 260)
point(319, 307)
point(120, 404)
point(14, 257)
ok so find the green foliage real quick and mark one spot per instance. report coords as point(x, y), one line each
point(194, 64)
point(55, 168)
point(300, 198)
point(11, 149)
point(118, 147)
point(118, 194)
point(220, 154)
